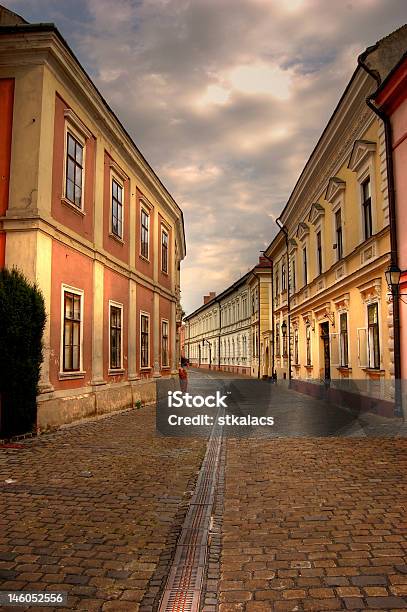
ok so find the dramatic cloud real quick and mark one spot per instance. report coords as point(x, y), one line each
point(226, 99)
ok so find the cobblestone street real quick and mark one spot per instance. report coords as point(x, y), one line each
point(95, 510)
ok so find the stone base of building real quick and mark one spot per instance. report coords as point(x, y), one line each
point(54, 411)
point(233, 369)
point(357, 402)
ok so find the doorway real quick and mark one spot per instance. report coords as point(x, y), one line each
point(326, 357)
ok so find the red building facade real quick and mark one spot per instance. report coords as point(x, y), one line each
point(85, 217)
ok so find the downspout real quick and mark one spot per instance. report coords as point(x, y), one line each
point(392, 212)
point(258, 324)
point(284, 229)
point(272, 311)
point(220, 332)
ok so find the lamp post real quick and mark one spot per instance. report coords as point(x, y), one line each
point(210, 350)
point(393, 275)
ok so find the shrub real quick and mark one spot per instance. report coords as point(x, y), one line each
point(22, 321)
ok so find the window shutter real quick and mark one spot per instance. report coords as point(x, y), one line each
point(362, 347)
point(334, 342)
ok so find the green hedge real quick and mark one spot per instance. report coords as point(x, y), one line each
point(22, 321)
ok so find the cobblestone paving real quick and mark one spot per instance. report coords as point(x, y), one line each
point(315, 524)
point(93, 511)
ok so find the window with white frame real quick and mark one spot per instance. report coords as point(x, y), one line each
point(305, 265)
point(319, 252)
point(367, 208)
point(144, 340)
point(283, 278)
point(296, 343)
point(117, 209)
point(338, 232)
point(308, 344)
point(164, 251)
point(72, 309)
point(144, 233)
point(343, 343)
point(115, 336)
point(164, 344)
point(373, 336)
point(74, 169)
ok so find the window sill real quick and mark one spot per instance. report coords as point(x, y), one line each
point(144, 258)
point(164, 272)
point(117, 238)
point(344, 368)
point(374, 371)
point(116, 371)
point(73, 207)
point(165, 367)
point(145, 368)
point(308, 367)
point(71, 375)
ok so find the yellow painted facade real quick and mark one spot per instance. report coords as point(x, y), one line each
point(339, 320)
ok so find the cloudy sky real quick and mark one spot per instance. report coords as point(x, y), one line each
point(226, 99)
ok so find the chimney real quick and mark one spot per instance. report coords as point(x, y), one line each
point(263, 262)
point(208, 298)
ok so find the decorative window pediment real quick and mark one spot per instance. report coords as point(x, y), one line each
point(335, 187)
point(302, 230)
point(361, 151)
point(371, 290)
point(317, 211)
point(292, 245)
point(342, 302)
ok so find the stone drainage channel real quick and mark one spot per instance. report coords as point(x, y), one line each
point(183, 591)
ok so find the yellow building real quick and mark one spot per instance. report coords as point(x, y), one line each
point(332, 312)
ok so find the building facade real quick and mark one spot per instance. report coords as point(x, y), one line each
point(332, 309)
point(391, 99)
point(224, 333)
point(85, 217)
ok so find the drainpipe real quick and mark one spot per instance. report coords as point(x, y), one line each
point(220, 332)
point(392, 216)
point(284, 229)
point(258, 309)
point(272, 309)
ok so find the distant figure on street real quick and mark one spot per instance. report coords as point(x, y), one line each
point(183, 379)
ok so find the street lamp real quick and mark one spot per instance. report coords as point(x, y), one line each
point(393, 274)
point(210, 350)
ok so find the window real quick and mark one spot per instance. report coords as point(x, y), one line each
point(164, 344)
point(74, 170)
point(277, 340)
point(164, 251)
point(319, 253)
point(276, 283)
point(373, 336)
point(72, 332)
point(284, 332)
point(308, 344)
point(283, 278)
point(144, 234)
point(117, 209)
point(115, 317)
point(343, 321)
point(144, 340)
point(338, 229)
point(293, 279)
point(367, 208)
point(296, 356)
point(305, 265)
